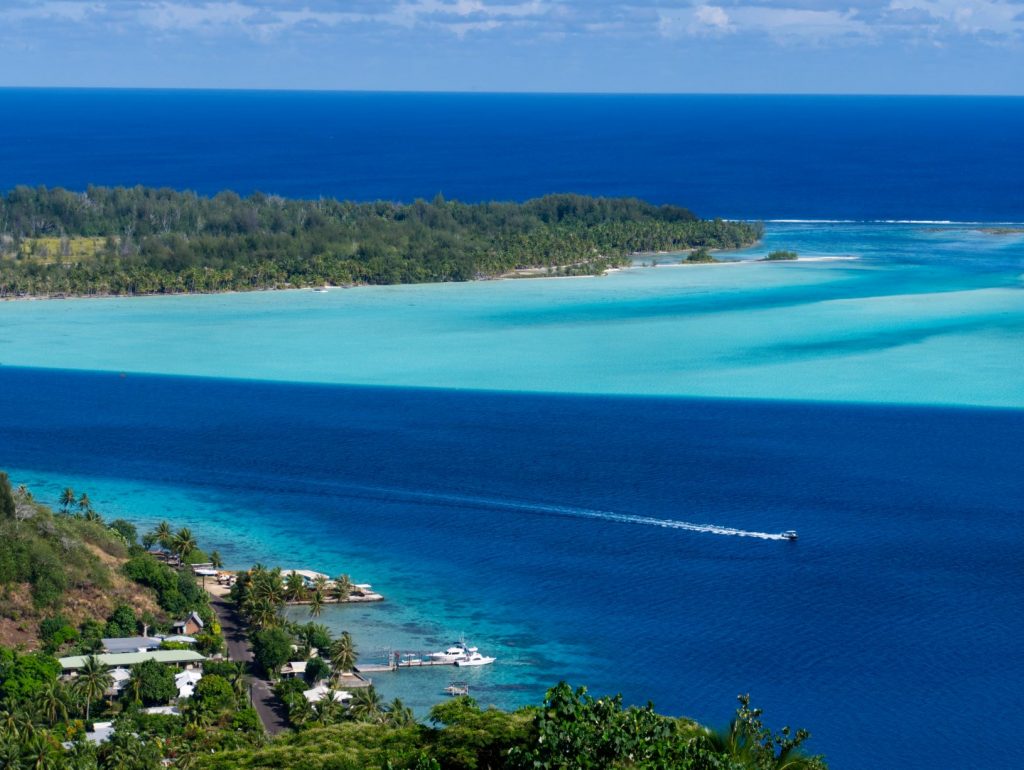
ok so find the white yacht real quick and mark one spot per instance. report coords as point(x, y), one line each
point(453, 654)
point(474, 659)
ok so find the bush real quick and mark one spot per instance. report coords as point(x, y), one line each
point(153, 683)
point(55, 632)
point(122, 622)
point(214, 694)
point(125, 529)
point(271, 648)
point(22, 677)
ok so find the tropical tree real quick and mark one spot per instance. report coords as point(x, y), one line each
point(316, 603)
point(342, 588)
point(93, 680)
point(294, 587)
point(40, 751)
point(750, 744)
point(343, 654)
point(183, 543)
point(151, 682)
point(84, 503)
point(164, 534)
point(53, 702)
point(399, 715)
point(367, 705)
point(215, 560)
point(67, 499)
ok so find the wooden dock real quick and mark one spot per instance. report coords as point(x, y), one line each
point(376, 668)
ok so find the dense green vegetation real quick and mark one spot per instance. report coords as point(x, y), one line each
point(47, 553)
point(700, 256)
point(144, 241)
point(780, 255)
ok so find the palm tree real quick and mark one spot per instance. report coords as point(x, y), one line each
point(163, 533)
point(41, 752)
point(53, 701)
point(367, 705)
point(91, 515)
point(261, 613)
point(342, 588)
point(748, 743)
point(183, 543)
point(316, 604)
point(93, 680)
point(67, 499)
point(84, 503)
point(320, 582)
point(215, 560)
point(343, 654)
point(135, 682)
point(294, 587)
point(399, 715)
point(300, 710)
point(236, 678)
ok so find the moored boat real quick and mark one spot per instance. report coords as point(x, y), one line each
point(475, 659)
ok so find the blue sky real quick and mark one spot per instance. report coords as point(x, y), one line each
point(745, 46)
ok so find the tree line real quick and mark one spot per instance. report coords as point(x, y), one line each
point(144, 241)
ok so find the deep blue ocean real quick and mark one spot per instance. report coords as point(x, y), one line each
point(554, 528)
point(889, 623)
point(765, 157)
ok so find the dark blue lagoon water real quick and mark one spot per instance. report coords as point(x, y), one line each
point(548, 527)
point(738, 156)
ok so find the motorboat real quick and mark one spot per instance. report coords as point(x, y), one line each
point(789, 534)
point(474, 659)
point(452, 654)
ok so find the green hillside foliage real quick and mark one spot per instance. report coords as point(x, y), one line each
point(50, 553)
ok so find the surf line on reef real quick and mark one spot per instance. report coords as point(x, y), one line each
point(486, 503)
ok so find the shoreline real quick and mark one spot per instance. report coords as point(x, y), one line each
point(504, 277)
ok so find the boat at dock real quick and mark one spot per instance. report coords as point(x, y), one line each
point(475, 659)
point(452, 654)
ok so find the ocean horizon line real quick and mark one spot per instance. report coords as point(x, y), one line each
point(474, 92)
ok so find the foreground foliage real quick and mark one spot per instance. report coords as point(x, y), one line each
point(145, 241)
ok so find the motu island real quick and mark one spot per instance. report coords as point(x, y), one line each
point(117, 241)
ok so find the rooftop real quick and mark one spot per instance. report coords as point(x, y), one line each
point(131, 658)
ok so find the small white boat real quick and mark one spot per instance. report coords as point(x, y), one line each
point(475, 659)
point(320, 291)
point(789, 534)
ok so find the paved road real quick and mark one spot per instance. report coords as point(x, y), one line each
point(271, 711)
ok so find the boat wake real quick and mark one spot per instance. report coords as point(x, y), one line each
point(485, 503)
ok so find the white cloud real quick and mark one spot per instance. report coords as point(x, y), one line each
point(785, 21)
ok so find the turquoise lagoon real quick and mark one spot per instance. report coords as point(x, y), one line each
point(923, 314)
point(521, 462)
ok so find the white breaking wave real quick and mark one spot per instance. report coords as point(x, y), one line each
point(890, 222)
point(566, 511)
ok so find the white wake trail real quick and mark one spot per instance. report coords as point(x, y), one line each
point(571, 512)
